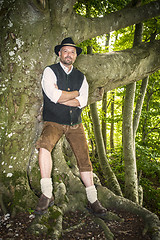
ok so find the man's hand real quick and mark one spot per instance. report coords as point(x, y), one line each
point(72, 103)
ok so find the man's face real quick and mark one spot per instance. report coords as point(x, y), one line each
point(68, 55)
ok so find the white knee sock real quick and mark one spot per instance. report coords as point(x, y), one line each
point(46, 187)
point(91, 194)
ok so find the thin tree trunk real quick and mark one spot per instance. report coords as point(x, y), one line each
point(104, 106)
point(112, 182)
point(131, 179)
point(139, 105)
point(144, 130)
point(131, 183)
point(104, 112)
point(89, 128)
point(112, 122)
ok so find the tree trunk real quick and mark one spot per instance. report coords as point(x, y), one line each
point(87, 121)
point(145, 123)
point(112, 182)
point(104, 123)
point(104, 106)
point(131, 184)
point(112, 122)
point(139, 105)
point(132, 178)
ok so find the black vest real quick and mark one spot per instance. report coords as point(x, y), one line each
point(60, 113)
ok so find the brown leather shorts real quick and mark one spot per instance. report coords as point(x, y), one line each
point(75, 135)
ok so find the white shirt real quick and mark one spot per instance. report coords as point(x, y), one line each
point(49, 79)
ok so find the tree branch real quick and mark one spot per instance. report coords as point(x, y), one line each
point(112, 70)
point(113, 21)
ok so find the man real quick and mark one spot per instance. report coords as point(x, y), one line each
point(65, 92)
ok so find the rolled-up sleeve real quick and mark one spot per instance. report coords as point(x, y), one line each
point(83, 94)
point(48, 85)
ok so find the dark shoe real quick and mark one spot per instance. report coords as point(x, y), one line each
point(43, 204)
point(97, 209)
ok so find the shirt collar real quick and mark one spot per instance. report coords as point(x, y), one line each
point(66, 69)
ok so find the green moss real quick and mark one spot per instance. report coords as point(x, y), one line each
point(22, 105)
point(7, 147)
point(20, 197)
point(10, 104)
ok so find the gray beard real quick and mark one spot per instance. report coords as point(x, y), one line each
point(67, 62)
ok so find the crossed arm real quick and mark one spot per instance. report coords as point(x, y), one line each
point(72, 98)
point(69, 98)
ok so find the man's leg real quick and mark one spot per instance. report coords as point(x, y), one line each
point(87, 178)
point(45, 164)
point(50, 135)
point(77, 140)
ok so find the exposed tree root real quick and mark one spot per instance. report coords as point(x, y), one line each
point(108, 234)
point(75, 226)
point(113, 202)
point(50, 222)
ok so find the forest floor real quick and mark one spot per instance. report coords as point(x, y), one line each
point(17, 228)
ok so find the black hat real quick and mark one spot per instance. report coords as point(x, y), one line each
point(67, 42)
